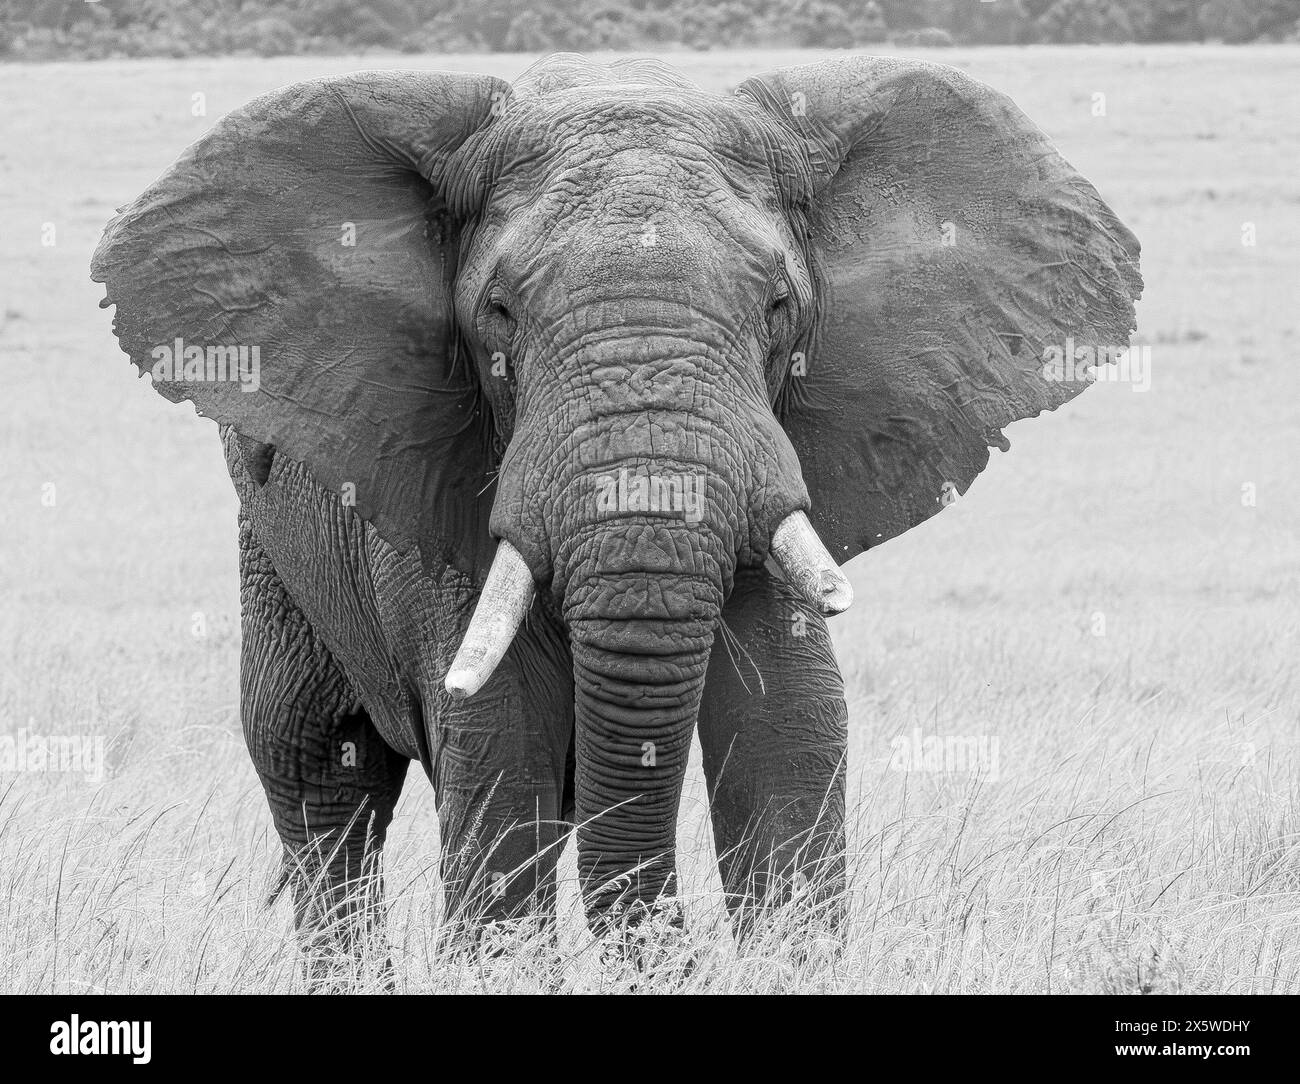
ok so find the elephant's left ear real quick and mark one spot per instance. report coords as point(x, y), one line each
point(958, 255)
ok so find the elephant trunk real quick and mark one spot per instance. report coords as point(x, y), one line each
point(640, 637)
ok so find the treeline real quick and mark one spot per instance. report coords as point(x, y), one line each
point(49, 29)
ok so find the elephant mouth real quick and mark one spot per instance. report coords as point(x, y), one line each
point(509, 591)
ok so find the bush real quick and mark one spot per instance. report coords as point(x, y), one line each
point(928, 37)
point(358, 22)
point(371, 28)
point(442, 34)
point(527, 34)
point(609, 26)
point(819, 22)
point(659, 27)
point(869, 24)
point(1164, 20)
point(1247, 20)
point(488, 21)
point(1088, 22)
point(267, 36)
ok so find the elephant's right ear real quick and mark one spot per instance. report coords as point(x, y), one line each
point(290, 275)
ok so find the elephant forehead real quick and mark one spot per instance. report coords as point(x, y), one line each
point(638, 114)
point(657, 182)
point(588, 126)
point(562, 71)
point(647, 232)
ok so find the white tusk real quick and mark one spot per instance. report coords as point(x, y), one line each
point(809, 568)
point(507, 596)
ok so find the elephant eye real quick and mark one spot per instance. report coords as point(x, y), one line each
point(780, 299)
point(498, 320)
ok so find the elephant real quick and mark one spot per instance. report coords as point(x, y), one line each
point(555, 407)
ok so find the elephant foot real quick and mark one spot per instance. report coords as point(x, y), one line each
point(646, 947)
point(348, 974)
point(344, 949)
point(346, 956)
point(794, 921)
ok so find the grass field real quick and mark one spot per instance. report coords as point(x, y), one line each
point(1115, 602)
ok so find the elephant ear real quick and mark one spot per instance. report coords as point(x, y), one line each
point(290, 275)
point(954, 247)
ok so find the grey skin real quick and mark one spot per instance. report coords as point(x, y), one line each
point(475, 304)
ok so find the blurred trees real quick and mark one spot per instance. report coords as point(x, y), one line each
point(93, 28)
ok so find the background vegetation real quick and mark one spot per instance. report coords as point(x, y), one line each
point(49, 29)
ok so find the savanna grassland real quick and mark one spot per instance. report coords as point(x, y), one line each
point(1115, 603)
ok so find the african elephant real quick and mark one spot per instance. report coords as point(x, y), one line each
point(553, 408)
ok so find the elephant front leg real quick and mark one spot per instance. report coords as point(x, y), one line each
point(502, 777)
point(330, 780)
point(772, 729)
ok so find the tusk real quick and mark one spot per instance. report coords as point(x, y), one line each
point(809, 568)
point(507, 596)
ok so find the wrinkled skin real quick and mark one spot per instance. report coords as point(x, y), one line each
point(627, 275)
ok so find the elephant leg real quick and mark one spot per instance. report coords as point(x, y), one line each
point(330, 780)
point(501, 761)
point(773, 733)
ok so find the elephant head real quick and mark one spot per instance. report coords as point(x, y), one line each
point(602, 337)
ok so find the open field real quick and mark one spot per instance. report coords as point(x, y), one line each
point(1114, 602)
